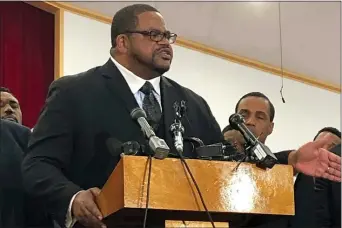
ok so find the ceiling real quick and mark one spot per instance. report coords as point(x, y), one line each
point(310, 31)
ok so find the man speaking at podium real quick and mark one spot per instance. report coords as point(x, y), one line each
point(68, 161)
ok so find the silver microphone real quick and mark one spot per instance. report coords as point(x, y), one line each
point(157, 145)
point(177, 129)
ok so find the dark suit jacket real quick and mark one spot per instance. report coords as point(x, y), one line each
point(283, 157)
point(328, 200)
point(67, 150)
point(13, 142)
point(16, 209)
point(304, 203)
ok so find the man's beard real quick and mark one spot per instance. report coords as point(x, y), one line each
point(150, 64)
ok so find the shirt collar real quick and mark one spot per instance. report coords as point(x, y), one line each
point(134, 82)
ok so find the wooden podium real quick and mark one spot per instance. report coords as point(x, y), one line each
point(229, 193)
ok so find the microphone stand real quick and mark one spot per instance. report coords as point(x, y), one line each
point(177, 130)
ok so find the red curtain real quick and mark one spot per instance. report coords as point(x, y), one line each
point(26, 55)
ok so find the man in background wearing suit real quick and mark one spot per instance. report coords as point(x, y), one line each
point(328, 200)
point(16, 209)
point(9, 106)
point(304, 185)
point(258, 112)
point(13, 145)
point(68, 162)
point(332, 133)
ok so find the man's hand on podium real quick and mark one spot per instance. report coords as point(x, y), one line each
point(85, 210)
point(313, 160)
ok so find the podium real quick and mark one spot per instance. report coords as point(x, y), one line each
point(230, 193)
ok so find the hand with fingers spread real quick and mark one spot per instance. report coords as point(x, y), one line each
point(313, 160)
point(85, 210)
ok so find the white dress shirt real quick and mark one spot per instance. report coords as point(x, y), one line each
point(134, 83)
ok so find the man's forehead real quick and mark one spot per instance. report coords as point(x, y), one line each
point(151, 20)
point(254, 104)
point(5, 96)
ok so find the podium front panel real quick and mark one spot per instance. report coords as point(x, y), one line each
point(247, 189)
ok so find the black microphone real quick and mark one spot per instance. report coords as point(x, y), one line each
point(266, 159)
point(116, 147)
point(157, 145)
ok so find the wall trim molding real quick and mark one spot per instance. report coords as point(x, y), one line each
point(59, 34)
point(59, 43)
point(60, 6)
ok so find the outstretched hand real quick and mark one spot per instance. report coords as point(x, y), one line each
point(313, 160)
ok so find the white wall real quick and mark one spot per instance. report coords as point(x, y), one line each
point(220, 82)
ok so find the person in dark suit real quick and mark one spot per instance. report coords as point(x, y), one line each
point(304, 186)
point(9, 106)
point(68, 162)
point(258, 112)
point(328, 200)
point(16, 209)
point(13, 144)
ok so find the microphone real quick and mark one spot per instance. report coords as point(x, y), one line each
point(116, 147)
point(177, 128)
point(157, 145)
point(266, 159)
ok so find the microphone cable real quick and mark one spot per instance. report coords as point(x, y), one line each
point(149, 159)
point(197, 188)
point(193, 179)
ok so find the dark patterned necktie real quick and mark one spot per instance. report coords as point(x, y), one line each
point(151, 105)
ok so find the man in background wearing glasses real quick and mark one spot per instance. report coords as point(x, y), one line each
point(68, 161)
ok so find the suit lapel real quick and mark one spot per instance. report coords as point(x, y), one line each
point(118, 86)
point(120, 91)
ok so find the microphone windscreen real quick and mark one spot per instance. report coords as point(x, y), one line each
point(130, 148)
point(114, 146)
point(235, 120)
point(137, 113)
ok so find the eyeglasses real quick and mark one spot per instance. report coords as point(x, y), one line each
point(157, 36)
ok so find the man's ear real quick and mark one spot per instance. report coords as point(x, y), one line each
point(122, 43)
point(270, 129)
